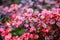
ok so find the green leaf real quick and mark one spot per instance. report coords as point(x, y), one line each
point(0, 38)
point(20, 32)
point(16, 1)
point(13, 33)
point(47, 7)
point(7, 18)
point(17, 31)
point(41, 38)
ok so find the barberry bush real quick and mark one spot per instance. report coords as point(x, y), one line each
point(25, 22)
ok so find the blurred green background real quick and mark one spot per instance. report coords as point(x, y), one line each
point(8, 2)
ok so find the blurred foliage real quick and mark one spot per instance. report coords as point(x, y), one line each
point(18, 31)
point(0, 38)
point(41, 38)
point(8, 2)
point(3, 18)
point(16, 1)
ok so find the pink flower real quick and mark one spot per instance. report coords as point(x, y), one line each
point(20, 5)
point(46, 29)
point(21, 37)
point(44, 25)
point(14, 6)
point(32, 29)
point(17, 24)
point(6, 9)
point(10, 10)
point(15, 38)
point(28, 14)
point(6, 31)
point(36, 36)
point(3, 33)
point(26, 25)
point(8, 37)
point(31, 36)
point(14, 15)
point(52, 21)
point(1, 29)
point(25, 9)
point(58, 24)
point(42, 16)
point(30, 10)
point(26, 36)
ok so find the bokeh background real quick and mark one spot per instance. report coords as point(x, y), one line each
point(9, 8)
point(35, 4)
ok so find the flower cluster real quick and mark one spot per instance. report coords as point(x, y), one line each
point(24, 23)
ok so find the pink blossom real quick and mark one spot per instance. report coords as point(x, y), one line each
point(31, 36)
point(46, 29)
point(8, 37)
point(1, 29)
point(52, 21)
point(6, 32)
point(26, 35)
point(58, 24)
point(26, 25)
point(21, 37)
point(36, 37)
point(32, 29)
point(14, 16)
point(6, 9)
point(42, 16)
